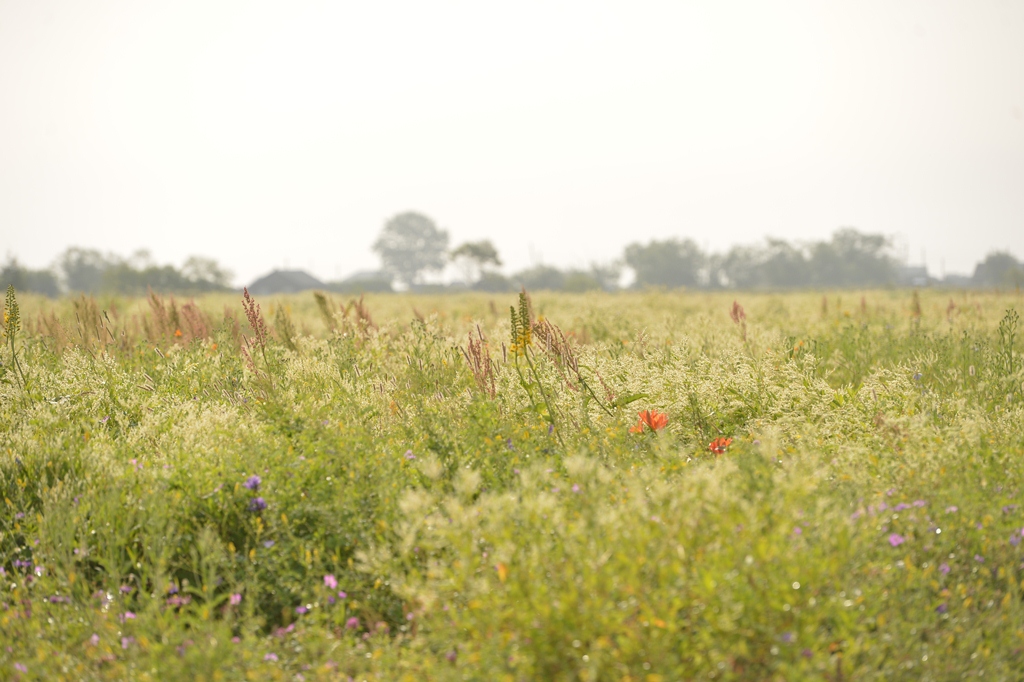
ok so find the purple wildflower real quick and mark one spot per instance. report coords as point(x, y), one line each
point(409, 456)
point(253, 483)
point(451, 656)
point(806, 653)
point(896, 539)
point(126, 589)
point(126, 616)
point(342, 595)
point(330, 582)
point(268, 543)
point(257, 504)
point(235, 599)
point(952, 508)
point(301, 610)
point(980, 559)
point(352, 623)
point(944, 568)
point(941, 608)
point(270, 657)
point(575, 487)
point(20, 667)
point(901, 506)
point(94, 640)
point(126, 642)
point(1015, 539)
point(787, 637)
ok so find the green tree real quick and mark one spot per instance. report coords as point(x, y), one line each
point(540, 277)
point(579, 281)
point(37, 281)
point(999, 269)
point(607, 274)
point(669, 263)
point(493, 282)
point(82, 269)
point(852, 259)
point(409, 245)
point(474, 258)
point(776, 265)
point(206, 271)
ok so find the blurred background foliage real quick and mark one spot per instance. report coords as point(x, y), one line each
point(412, 247)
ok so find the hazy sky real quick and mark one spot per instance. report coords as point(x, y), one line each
point(286, 133)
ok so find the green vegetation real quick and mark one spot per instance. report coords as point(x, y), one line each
point(89, 271)
point(413, 487)
point(410, 246)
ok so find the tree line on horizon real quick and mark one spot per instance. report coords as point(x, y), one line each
point(412, 247)
point(88, 271)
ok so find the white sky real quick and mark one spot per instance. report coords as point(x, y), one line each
point(273, 134)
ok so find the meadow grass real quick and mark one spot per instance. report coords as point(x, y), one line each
point(406, 487)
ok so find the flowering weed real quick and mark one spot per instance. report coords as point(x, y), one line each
point(346, 496)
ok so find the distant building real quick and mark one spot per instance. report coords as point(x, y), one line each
point(285, 282)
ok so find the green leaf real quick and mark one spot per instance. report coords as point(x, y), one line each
point(627, 399)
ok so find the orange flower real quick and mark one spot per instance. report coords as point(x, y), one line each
point(654, 420)
point(719, 445)
point(177, 333)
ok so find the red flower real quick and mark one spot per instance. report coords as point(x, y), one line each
point(719, 445)
point(654, 420)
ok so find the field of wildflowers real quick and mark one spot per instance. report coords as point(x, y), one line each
point(643, 487)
